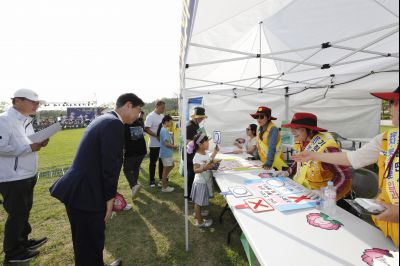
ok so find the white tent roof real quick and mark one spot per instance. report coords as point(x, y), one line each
point(327, 55)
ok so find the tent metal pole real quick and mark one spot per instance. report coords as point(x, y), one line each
point(360, 60)
point(288, 84)
point(320, 82)
point(204, 86)
point(221, 49)
point(251, 54)
point(216, 82)
point(300, 71)
point(287, 104)
point(293, 51)
point(305, 60)
point(185, 170)
point(366, 46)
point(294, 67)
point(365, 51)
point(222, 61)
point(306, 81)
point(253, 57)
point(292, 61)
point(386, 8)
point(233, 85)
point(260, 77)
point(367, 33)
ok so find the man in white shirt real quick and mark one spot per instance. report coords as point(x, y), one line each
point(151, 125)
point(18, 167)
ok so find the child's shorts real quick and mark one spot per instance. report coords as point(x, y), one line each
point(168, 162)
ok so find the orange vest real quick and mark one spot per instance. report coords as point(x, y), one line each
point(389, 182)
point(311, 174)
point(262, 146)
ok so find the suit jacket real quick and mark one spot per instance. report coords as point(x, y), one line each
point(93, 177)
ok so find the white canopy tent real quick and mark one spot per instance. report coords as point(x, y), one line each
point(319, 56)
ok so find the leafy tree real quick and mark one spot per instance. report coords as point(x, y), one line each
point(171, 106)
point(3, 106)
point(385, 113)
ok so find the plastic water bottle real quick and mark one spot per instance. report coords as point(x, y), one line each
point(329, 200)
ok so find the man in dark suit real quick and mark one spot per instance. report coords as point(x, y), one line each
point(89, 187)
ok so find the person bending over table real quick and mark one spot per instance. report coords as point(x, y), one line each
point(269, 140)
point(315, 174)
point(383, 150)
point(250, 143)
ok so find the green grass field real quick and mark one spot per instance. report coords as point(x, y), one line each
point(151, 234)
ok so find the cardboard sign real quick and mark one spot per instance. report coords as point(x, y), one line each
point(240, 192)
point(258, 205)
point(217, 137)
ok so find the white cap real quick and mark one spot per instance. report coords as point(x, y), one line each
point(28, 94)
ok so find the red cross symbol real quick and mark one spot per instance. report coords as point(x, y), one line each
point(258, 204)
point(299, 199)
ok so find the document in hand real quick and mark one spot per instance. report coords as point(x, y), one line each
point(46, 133)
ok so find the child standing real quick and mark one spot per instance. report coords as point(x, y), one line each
point(166, 151)
point(202, 189)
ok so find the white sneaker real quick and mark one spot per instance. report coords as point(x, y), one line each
point(135, 191)
point(128, 207)
point(168, 190)
point(206, 224)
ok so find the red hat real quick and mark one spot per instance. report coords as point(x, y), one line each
point(387, 96)
point(304, 120)
point(263, 111)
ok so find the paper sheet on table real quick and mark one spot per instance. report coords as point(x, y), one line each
point(227, 150)
point(46, 133)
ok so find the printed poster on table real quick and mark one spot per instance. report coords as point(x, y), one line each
point(282, 193)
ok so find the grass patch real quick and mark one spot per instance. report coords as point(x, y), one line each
point(151, 234)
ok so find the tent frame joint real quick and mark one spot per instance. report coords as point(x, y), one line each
point(326, 66)
point(326, 45)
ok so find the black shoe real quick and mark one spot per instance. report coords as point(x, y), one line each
point(35, 243)
point(25, 257)
point(115, 263)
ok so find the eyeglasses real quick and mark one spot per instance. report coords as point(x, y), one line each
point(261, 117)
point(30, 101)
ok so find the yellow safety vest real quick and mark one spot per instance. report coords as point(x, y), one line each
point(262, 145)
point(389, 182)
point(311, 174)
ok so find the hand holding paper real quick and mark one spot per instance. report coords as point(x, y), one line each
point(42, 136)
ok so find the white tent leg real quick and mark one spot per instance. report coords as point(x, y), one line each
point(185, 170)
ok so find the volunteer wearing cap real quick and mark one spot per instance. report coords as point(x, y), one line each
point(315, 175)
point(198, 115)
point(269, 140)
point(18, 167)
point(383, 150)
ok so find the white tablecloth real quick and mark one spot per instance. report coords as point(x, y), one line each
point(279, 239)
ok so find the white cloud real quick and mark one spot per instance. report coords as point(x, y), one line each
point(73, 49)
